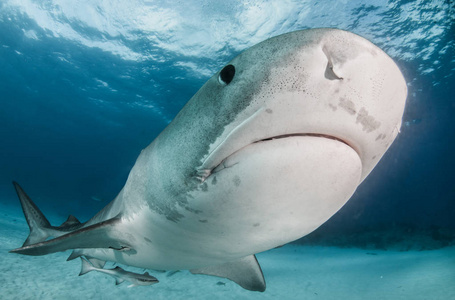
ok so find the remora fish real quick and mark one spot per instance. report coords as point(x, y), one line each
point(264, 153)
point(119, 274)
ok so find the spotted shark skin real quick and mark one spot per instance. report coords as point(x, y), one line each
point(264, 153)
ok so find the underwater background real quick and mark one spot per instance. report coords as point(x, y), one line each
point(85, 85)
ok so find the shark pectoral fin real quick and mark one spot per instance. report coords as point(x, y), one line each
point(100, 235)
point(246, 272)
point(118, 280)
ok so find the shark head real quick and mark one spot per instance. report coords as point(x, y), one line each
point(322, 82)
point(275, 142)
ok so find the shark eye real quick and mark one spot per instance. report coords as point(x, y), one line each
point(227, 74)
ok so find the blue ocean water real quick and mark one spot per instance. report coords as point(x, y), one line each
point(85, 85)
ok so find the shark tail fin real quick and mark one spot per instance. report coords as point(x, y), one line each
point(40, 228)
point(100, 235)
point(86, 267)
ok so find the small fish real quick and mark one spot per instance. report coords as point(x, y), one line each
point(119, 274)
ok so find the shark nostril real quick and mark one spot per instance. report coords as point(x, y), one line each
point(330, 73)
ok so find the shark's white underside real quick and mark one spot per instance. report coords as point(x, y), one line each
point(265, 152)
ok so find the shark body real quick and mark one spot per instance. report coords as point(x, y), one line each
point(264, 153)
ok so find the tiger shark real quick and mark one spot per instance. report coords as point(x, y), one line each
point(264, 153)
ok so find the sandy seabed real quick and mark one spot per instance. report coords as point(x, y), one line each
point(291, 272)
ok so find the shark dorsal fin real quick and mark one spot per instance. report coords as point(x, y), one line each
point(246, 272)
point(71, 221)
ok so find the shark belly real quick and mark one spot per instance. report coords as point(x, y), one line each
point(306, 179)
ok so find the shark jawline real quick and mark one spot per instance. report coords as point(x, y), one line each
point(221, 165)
point(304, 134)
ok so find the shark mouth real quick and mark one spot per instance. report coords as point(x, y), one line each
point(203, 174)
point(303, 134)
